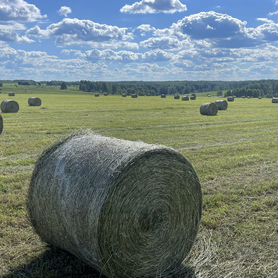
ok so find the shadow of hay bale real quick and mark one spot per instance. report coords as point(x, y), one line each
point(56, 263)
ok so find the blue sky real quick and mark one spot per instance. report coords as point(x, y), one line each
point(138, 39)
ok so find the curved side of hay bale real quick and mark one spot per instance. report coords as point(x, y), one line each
point(274, 100)
point(34, 101)
point(185, 98)
point(209, 109)
point(230, 99)
point(9, 106)
point(128, 209)
point(1, 124)
point(221, 104)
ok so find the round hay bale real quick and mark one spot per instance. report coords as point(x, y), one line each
point(275, 100)
point(106, 94)
point(185, 98)
point(134, 96)
point(221, 104)
point(11, 94)
point(1, 124)
point(176, 96)
point(128, 209)
point(9, 106)
point(193, 97)
point(163, 96)
point(34, 101)
point(230, 99)
point(209, 109)
point(96, 95)
point(123, 95)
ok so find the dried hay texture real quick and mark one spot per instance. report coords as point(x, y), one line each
point(176, 96)
point(128, 209)
point(275, 100)
point(34, 101)
point(9, 106)
point(209, 109)
point(221, 104)
point(185, 98)
point(1, 124)
point(230, 99)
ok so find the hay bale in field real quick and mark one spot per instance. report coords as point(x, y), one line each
point(11, 94)
point(275, 100)
point(106, 94)
point(34, 101)
point(128, 209)
point(221, 104)
point(123, 95)
point(9, 106)
point(185, 98)
point(97, 95)
point(230, 99)
point(193, 97)
point(134, 96)
point(176, 96)
point(209, 109)
point(163, 96)
point(1, 124)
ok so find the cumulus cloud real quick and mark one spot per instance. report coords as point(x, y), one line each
point(74, 30)
point(8, 33)
point(64, 11)
point(154, 6)
point(19, 10)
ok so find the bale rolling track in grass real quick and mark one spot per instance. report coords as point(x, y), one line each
point(128, 209)
point(275, 100)
point(9, 106)
point(209, 109)
point(1, 124)
point(34, 101)
point(221, 104)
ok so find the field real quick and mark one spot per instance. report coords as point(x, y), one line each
point(234, 154)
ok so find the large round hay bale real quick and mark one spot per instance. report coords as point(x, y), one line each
point(1, 124)
point(185, 98)
point(11, 94)
point(163, 96)
point(34, 101)
point(209, 109)
point(134, 96)
point(176, 96)
point(275, 100)
point(230, 99)
point(193, 97)
point(128, 209)
point(221, 104)
point(9, 106)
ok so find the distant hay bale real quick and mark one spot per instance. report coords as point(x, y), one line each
point(123, 95)
point(9, 106)
point(106, 94)
point(128, 209)
point(134, 96)
point(230, 99)
point(96, 95)
point(163, 96)
point(176, 96)
point(193, 97)
point(1, 124)
point(275, 100)
point(209, 109)
point(11, 94)
point(221, 104)
point(185, 98)
point(34, 101)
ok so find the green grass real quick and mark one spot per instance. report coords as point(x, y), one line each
point(234, 153)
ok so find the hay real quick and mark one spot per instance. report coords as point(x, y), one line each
point(96, 95)
point(193, 97)
point(185, 98)
point(230, 99)
point(34, 101)
point(275, 100)
point(163, 96)
point(221, 104)
point(134, 96)
point(123, 95)
point(176, 96)
point(9, 106)
point(209, 109)
point(11, 94)
point(1, 124)
point(128, 209)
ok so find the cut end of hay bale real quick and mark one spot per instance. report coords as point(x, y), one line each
point(128, 209)
point(209, 109)
point(9, 106)
point(34, 101)
point(1, 124)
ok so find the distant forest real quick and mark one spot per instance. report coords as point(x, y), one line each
point(256, 88)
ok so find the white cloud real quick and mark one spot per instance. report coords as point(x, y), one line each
point(64, 11)
point(154, 6)
point(19, 10)
point(8, 33)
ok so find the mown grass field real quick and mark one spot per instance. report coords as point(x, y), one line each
point(234, 153)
